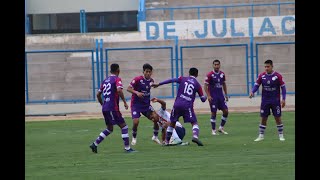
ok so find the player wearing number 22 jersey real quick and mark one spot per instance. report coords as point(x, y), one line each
point(183, 105)
point(111, 89)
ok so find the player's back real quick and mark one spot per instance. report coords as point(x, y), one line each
point(188, 86)
point(110, 93)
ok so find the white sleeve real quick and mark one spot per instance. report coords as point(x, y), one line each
point(161, 111)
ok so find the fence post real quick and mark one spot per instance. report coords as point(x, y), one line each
point(171, 13)
point(101, 61)
point(93, 79)
point(25, 17)
point(198, 13)
point(177, 56)
point(97, 63)
point(27, 83)
point(85, 28)
point(81, 21)
point(172, 72)
point(28, 25)
point(251, 50)
point(279, 14)
point(252, 11)
point(143, 10)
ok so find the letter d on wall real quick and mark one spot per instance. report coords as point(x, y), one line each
point(155, 36)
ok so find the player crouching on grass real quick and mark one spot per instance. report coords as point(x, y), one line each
point(162, 117)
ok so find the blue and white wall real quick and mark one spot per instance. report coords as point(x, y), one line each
point(218, 28)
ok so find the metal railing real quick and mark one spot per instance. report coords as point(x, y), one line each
point(101, 60)
point(257, 57)
point(58, 51)
point(142, 11)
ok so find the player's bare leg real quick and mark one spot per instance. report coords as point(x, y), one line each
point(134, 131)
point(280, 128)
point(101, 137)
point(195, 134)
point(155, 133)
point(262, 128)
point(155, 128)
point(213, 123)
point(224, 118)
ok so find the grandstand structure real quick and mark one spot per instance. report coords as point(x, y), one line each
point(69, 67)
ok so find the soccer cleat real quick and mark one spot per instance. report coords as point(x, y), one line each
point(130, 150)
point(260, 138)
point(184, 144)
point(175, 142)
point(214, 133)
point(166, 144)
point(155, 139)
point(94, 148)
point(134, 141)
point(197, 141)
point(222, 131)
point(281, 138)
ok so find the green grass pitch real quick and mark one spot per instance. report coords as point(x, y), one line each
point(60, 150)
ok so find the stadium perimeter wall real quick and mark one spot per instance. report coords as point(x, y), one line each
point(65, 76)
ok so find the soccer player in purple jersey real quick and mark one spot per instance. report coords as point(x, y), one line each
point(140, 102)
point(271, 82)
point(111, 88)
point(214, 83)
point(183, 104)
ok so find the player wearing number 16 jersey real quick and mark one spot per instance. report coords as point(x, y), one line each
point(111, 88)
point(183, 104)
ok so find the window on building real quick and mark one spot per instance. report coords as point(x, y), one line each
point(95, 21)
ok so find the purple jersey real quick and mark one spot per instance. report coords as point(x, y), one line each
point(215, 81)
point(271, 84)
point(143, 85)
point(188, 86)
point(109, 88)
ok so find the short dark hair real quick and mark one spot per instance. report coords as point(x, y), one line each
point(216, 60)
point(193, 71)
point(269, 62)
point(147, 66)
point(114, 67)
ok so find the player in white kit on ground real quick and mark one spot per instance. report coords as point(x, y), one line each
point(163, 118)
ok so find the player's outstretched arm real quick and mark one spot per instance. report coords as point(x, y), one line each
point(203, 98)
point(163, 103)
point(155, 85)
